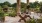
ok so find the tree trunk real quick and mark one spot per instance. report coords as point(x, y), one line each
point(18, 6)
point(27, 5)
point(27, 2)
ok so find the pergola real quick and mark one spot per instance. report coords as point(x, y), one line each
point(19, 5)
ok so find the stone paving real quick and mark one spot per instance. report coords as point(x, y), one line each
point(12, 19)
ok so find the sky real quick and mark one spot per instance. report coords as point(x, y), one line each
point(14, 1)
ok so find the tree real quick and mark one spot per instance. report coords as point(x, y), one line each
point(22, 5)
point(1, 4)
point(40, 3)
point(5, 8)
point(7, 3)
point(34, 5)
point(41, 8)
point(0, 9)
point(31, 5)
point(14, 5)
point(2, 18)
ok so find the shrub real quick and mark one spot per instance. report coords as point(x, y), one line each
point(31, 21)
point(12, 14)
point(1, 16)
point(39, 20)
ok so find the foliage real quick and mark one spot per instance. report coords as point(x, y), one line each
point(31, 21)
point(35, 6)
point(41, 7)
point(23, 9)
point(0, 9)
point(4, 6)
point(39, 20)
point(22, 5)
point(12, 13)
point(7, 3)
point(1, 14)
point(14, 5)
